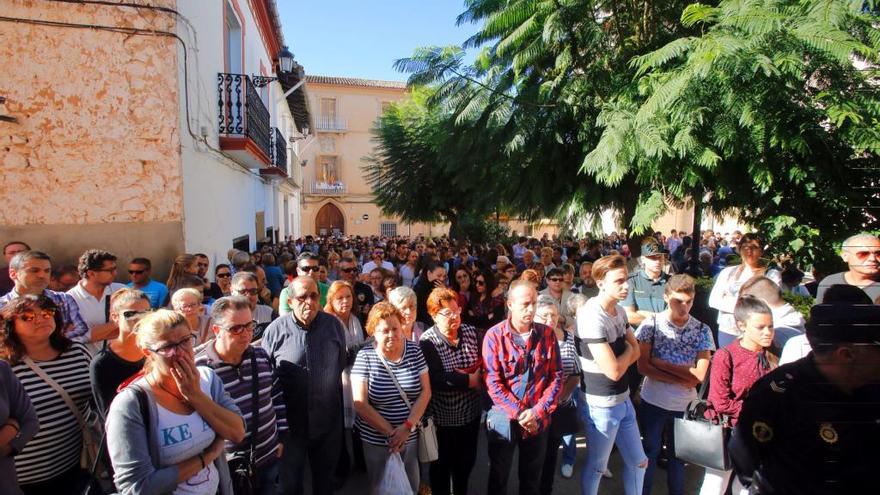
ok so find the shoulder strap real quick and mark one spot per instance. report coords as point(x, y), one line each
point(64, 395)
point(255, 403)
point(144, 406)
point(394, 378)
point(106, 309)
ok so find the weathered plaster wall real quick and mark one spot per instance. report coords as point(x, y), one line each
point(97, 134)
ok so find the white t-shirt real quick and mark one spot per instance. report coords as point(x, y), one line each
point(595, 326)
point(93, 311)
point(371, 265)
point(795, 348)
point(181, 436)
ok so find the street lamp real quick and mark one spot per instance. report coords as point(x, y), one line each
point(285, 66)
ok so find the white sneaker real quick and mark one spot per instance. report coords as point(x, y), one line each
point(607, 474)
point(567, 470)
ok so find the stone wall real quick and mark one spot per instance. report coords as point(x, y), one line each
point(97, 134)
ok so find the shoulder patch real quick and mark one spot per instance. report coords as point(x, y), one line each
point(762, 432)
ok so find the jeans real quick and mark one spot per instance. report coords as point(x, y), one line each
point(607, 426)
point(322, 453)
point(654, 420)
point(531, 460)
point(457, 447)
point(376, 456)
point(569, 442)
point(267, 477)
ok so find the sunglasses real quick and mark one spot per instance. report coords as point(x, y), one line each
point(132, 314)
point(863, 255)
point(249, 292)
point(29, 316)
point(480, 282)
point(224, 275)
point(309, 268)
point(171, 349)
point(136, 272)
point(245, 327)
point(348, 270)
point(555, 279)
point(314, 296)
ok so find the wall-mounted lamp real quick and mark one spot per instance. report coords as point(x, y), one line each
point(285, 66)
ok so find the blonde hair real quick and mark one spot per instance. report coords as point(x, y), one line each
point(334, 289)
point(379, 312)
point(153, 327)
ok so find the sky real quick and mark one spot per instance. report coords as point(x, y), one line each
point(363, 38)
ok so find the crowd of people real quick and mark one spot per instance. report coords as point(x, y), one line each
point(392, 356)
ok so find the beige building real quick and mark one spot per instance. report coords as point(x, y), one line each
point(336, 198)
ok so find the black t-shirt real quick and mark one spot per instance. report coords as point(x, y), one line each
point(106, 373)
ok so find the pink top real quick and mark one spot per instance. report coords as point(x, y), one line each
point(728, 384)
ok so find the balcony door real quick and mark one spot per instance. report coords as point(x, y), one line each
point(329, 220)
point(233, 41)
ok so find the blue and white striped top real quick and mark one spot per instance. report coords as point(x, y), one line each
point(381, 391)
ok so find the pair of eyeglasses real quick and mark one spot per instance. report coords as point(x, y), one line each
point(136, 272)
point(480, 282)
point(224, 275)
point(170, 350)
point(132, 314)
point(348, 270)
point(244, 327)
point(248, 292)
point(450, 314)
point(47, 313)
point(187, 307)
point(314, 296)
point(555, 279)
point(309, 268)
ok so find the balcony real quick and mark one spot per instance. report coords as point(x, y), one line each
point(243, 121)
point(277, 155)
point(323, 188)
point(329, 123)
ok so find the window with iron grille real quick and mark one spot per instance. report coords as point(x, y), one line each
point(388, 229)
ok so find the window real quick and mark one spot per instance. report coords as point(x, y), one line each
point(388, 229)
point(328, 113)
point(328, 171)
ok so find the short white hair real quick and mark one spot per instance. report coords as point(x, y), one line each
point(858, 239)
point(186, 291)
point(401, 295)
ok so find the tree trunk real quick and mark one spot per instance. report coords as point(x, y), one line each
point(453, 225)
point(694, 262)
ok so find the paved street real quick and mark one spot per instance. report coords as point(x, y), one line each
point(562, 486)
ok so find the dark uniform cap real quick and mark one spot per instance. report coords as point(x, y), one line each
point(650, 247)
point(844, 323)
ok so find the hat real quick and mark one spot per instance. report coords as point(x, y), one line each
point(844, 323)
point(650, 247)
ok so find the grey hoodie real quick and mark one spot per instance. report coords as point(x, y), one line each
point(134, 453)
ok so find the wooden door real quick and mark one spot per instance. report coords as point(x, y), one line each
point(329, 220)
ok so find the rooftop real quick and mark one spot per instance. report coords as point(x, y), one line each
point(352, 81)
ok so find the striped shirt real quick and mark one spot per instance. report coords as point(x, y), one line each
point(453, 402)
point(382, 394)
point(56, 447)
point(571, 366)
point(595, 326)
point(237, 381)
point(75, 327)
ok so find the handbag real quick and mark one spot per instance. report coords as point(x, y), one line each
point(92, 433)
point(699, 440)
point(241, 464)
point(497, 420)
point(428, 449)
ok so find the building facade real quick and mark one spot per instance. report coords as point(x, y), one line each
point(336, 196)
point(141, 130)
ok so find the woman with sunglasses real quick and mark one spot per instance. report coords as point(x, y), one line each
point(166, 428)
point(725, 292)
point(486, 307)
point(463, 285)
point(33, 344)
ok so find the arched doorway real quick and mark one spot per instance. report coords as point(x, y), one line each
point(329, 220)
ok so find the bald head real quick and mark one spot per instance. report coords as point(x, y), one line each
point(303, 299)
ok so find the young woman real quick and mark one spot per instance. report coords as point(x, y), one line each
point(486, 306)
point(462, 283)
point(735, 368)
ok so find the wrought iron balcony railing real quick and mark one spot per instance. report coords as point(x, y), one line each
point(330, 123)
point(334, 188)
point(278, 145)
point(242, 112)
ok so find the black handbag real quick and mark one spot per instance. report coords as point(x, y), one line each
point(699, 440)
point(241, 464)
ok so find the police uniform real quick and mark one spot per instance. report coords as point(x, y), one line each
point(646, 294)
point(799, 434)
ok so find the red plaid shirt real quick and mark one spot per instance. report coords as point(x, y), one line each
point(504, 364)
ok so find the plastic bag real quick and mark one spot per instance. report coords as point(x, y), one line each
point(394, 479)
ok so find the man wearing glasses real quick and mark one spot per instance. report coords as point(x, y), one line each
point(306, 266)
point(121, 358)
point(377, 262)
point(348, 271)
point(307, 349)
point(97, 271)
point(9, 252)
point(245, 284)
point(236, 362)
point(558, 290)
point(139, 272)
point(861, 253)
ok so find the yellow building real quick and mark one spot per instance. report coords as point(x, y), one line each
point(336, 197)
